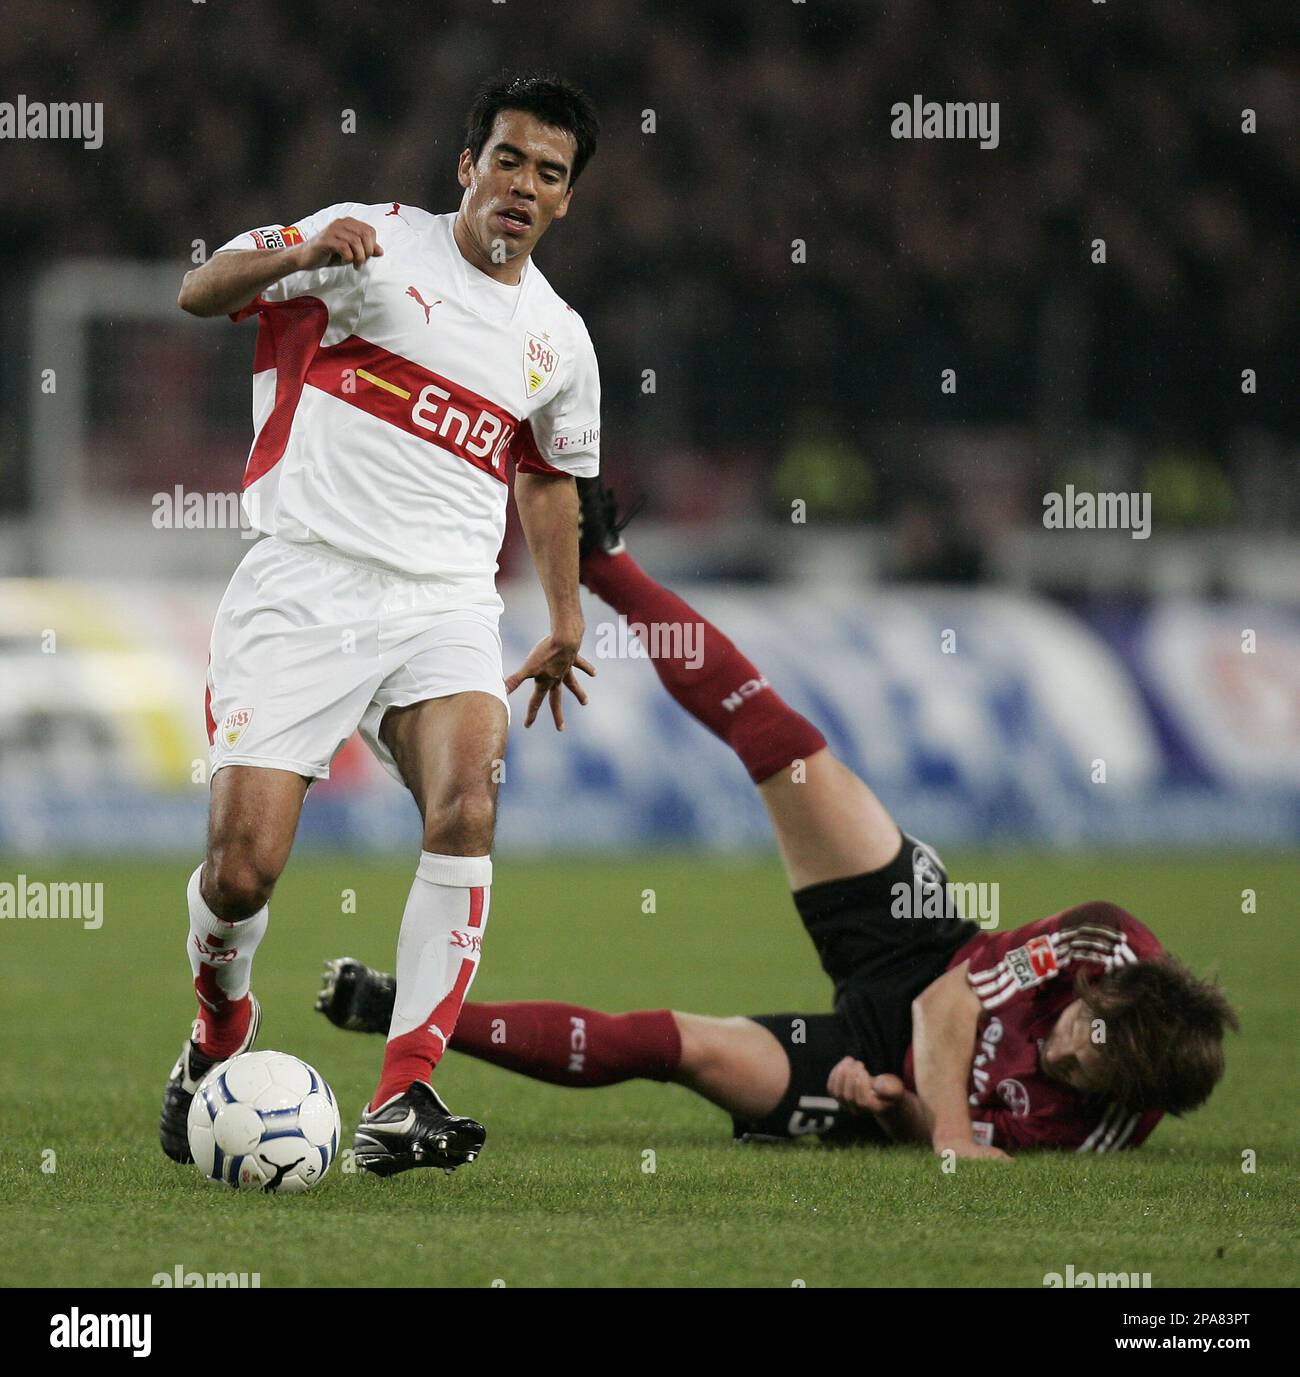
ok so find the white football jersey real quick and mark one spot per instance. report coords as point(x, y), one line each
point(388, 401)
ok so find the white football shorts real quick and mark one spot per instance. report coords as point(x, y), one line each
point(308, 647)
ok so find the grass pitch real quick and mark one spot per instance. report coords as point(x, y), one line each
point(564, 1194)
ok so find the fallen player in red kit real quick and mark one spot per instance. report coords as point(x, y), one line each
point(1075, 1031)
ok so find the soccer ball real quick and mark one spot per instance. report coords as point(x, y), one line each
point(264, 1121)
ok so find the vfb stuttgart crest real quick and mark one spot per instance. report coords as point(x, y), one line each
point(233, 727)
point(540, 363)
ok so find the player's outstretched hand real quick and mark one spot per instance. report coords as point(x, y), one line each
point(550, 664)
point(340, 242)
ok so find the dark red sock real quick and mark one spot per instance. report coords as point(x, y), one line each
point(568, 1045)
point(721, 689)
point(222, 1022)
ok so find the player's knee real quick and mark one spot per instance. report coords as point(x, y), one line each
point(461, 824)
point(237, 883)
point(695, 1043)
point(705, 1041)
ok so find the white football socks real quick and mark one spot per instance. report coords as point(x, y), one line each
point(224, 948)
point(442, 930)
point(437, 958)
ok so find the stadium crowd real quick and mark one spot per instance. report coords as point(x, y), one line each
point(771, 127)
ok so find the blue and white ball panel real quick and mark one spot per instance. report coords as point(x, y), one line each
point(264, 1121)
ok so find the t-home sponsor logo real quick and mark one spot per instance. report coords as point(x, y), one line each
point(182, 510)
point(78, 900)
point(75, 1330)
point(1098, 511)
point(217, 1281)
point(1099, 1281)
point(953, 119)
point(40, 119)
point(624, 640)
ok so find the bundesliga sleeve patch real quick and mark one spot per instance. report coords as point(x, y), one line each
point(273, 237)
point(1033, 963)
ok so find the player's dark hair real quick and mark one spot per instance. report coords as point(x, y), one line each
point(550, 99)
point(1163, 1029)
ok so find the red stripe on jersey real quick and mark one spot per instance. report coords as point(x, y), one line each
point(288, 335)
point(528, 458)
point(253, 307)
point(416, 400)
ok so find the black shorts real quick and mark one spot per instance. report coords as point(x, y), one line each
point(882, 938)
point(814, 1043)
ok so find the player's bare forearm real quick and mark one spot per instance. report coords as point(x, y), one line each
point(944, 1021)
point(228, 281)
point(906, 1121)
point(896, 1109)
point(548, 512)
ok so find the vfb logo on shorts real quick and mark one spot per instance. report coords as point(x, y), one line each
point(234, 726)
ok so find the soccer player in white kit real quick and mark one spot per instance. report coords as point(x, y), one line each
point(403, 361)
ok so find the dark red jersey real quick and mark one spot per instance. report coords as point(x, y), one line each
point(1025, 979)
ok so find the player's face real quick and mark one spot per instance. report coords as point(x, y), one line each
point(518, 186)
point(1069, 1054)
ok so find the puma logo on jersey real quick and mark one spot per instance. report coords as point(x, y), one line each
point(427, 305)
point(397, 210)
